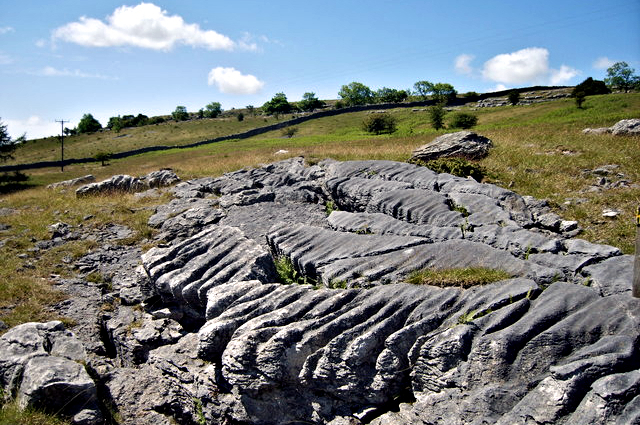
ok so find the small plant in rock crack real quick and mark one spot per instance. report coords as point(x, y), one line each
point(288, 273)
point(330, 207)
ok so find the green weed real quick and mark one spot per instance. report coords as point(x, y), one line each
point(461, 277)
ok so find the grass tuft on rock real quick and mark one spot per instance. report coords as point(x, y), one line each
point(460, 277)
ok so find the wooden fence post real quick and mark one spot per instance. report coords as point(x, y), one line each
point(636, 262)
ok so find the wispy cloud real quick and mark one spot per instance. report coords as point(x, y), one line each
point(5, 30)
point(526, 66)
point(147, 26)
point(34, 126)
point(463, 64)
point(49, 71)
point(232, 81)
point(603, 62)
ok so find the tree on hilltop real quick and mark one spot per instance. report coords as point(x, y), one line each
point(423, 89)
point(180, 113)
point(356, 93)
point(310, 102)
point(387, 95)
point(621, 76)
point(88, 124)
point(441, 93)
point(277, 105)
point(212, 110)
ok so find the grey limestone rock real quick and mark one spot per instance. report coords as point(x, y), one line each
point(463, 144)
point(41, 364)
point(73, 182)
point(202, 332)
point(183, 272)
point(626, 127)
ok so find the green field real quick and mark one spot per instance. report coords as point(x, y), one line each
point(539, 150)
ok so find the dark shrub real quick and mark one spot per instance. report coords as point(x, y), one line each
point(379, 123)
point(463, 120)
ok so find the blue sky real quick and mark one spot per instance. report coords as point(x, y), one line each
point(64, 58)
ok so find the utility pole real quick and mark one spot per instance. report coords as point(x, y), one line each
point(636, 262)
point(62, 143)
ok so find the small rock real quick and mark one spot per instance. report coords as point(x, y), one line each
point(610, 213)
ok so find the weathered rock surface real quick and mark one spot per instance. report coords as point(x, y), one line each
point(125, 183)
point(202, 332)
point(41, 366)
point(630, 127)
point(462, 144)
point(73, 182)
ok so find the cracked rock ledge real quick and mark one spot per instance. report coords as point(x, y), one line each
point(198, 329)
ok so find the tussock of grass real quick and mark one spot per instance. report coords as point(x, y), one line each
point(464, 278)
point(11, 414)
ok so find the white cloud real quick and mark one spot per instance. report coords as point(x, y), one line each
point(49, 71)
point(526, 65)
point(5, 30)
point(603, 62)
point(34, 126)
point(498, 87)
point(232, 81)
point(562, 75)
point(463, 64)
point(530, 65)
point(145, 25)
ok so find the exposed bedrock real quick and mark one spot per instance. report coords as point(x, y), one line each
point(215, 338)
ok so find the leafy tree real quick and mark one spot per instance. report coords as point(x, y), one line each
point(423, 89)
point(277, 105)
point(620, 75)
point(88, 124)
point(387, 95)
point(251, 109)
point(115, 124)
point(156, 120)
point(590, 87)
point(212, 110)
point(356, 93)
point(240, 116)
point(70, 131)
point(463, 120)
point(514, 97)
point(310, 102)
point(443, 93)
point(379, 123)
point(7, 148)
point(436, 116)
point(180, 114)
point(103, 157)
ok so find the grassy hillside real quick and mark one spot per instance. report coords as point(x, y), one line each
point(539, 151)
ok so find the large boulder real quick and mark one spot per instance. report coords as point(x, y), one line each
point(42, 364)
point(629, 127)
point(462, 144)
